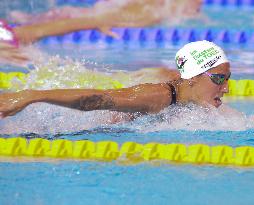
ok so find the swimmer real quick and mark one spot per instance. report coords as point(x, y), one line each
point(204, 73)
point(11, 51)
point(30, 33)
point(103, 16)
point(125, 13)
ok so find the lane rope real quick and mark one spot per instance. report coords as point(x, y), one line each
point(159, 36)
point(223, 3)
point(129, 151)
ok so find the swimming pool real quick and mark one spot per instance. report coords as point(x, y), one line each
point(79, 182)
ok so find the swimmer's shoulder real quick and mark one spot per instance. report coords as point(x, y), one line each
point(144, 98)
point(157, 96)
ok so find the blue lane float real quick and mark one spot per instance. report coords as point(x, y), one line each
point(154, 35)
point(60, 2)
point(229, 2)
point(237, 3)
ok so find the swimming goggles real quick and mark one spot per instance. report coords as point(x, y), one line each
point(218, 79)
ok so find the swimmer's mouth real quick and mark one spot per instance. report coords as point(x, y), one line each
point(217, 101)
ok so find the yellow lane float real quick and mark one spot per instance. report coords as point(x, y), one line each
point(197, 154)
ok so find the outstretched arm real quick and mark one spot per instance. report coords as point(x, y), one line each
point(138, 13)
point(30, 33)
point(146, 98)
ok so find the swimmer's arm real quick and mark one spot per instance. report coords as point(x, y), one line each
point(141, 98)
point(30, 33)
point(146, 98)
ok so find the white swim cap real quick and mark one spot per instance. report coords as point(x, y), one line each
point(197, 57)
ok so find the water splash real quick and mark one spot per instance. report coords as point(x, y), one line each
point(66, 73)
point(42, 118)
point(193, 118)
point(52, 72)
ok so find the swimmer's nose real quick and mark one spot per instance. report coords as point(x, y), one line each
point(225, 87)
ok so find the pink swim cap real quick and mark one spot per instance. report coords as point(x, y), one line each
point(7, 34)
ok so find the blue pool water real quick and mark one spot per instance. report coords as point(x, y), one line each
point(80, 182)
point(97, 183)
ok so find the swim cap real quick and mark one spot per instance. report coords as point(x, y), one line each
point(7, 34)
point(197, 57)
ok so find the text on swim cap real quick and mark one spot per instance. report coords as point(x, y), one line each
point(204, 55)
point(211, 62)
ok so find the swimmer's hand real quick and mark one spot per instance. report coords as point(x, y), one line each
point(107, 31)
point(9, 54)
point(12, 103)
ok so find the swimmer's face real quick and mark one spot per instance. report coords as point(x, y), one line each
point(207, 91)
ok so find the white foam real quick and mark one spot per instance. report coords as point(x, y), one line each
point(193, 117)
point(43, 118)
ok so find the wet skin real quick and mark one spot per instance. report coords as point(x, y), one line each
point(207, 92)
point(144, 98)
